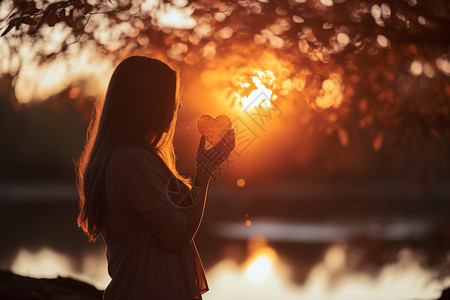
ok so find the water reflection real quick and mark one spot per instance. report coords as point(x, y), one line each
point(46, 263)
point(266, 275)
point(329, 279)
point(382, 255)
point(277, 230)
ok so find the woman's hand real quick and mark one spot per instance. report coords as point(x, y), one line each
point(209, 160)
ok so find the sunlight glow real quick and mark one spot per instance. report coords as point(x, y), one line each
point(260, 264)
point(331, 93)
point(47, 263)
point(334, 259)
point(343, 38)
point(59, 73)
point(265, 276)
point(260, 95)
point(175, 17)
point(44, 263)
point(271, 279)
point(443, 64)
point(416, 68)
point(327, 2)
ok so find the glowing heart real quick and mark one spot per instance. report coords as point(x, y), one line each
point(213, 129)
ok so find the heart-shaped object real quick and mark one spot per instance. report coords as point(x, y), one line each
point(213, 129)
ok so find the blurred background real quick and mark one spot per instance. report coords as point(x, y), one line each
point(339, 184)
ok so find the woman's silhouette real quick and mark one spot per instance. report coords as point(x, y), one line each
point(128, 185)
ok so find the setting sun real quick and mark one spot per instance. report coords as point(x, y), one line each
point(260, 95)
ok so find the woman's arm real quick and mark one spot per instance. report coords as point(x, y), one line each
point(194, 213)
point(205, 167)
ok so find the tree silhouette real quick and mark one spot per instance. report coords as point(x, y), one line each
point(377, 66)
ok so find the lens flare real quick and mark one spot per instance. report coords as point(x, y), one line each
point(331, 94)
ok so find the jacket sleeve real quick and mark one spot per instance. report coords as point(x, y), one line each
point(146, 190)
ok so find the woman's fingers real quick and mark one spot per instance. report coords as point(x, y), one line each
point(231, 141)
point(226, 144)
point(214, 157)
point(229, 144)
point(201, 145)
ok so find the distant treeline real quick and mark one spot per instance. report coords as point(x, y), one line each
point(40, 139)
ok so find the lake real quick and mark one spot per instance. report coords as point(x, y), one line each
point(297, 240)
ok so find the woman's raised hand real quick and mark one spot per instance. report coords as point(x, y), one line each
point(209, 160)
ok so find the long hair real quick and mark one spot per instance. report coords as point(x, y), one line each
point(140, 108)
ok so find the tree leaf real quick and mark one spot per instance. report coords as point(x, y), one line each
point(13, 14)
point(23, 5)
point(17, 23)
point(28, 21)
point(41, 21)
point(87, 8)
point(51, 19)
point(69, 21)
point(32, 11)
point(77, 3)
point(8, 29)
point(125, 7)
point(52, 7)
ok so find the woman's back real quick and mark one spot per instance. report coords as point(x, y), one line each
point(144, 232)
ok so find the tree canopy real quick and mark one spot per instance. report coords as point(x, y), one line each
point(342, 65)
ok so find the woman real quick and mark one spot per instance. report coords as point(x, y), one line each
point(129, 185)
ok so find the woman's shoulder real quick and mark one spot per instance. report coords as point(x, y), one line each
point(128, 155)
point(132, 151)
